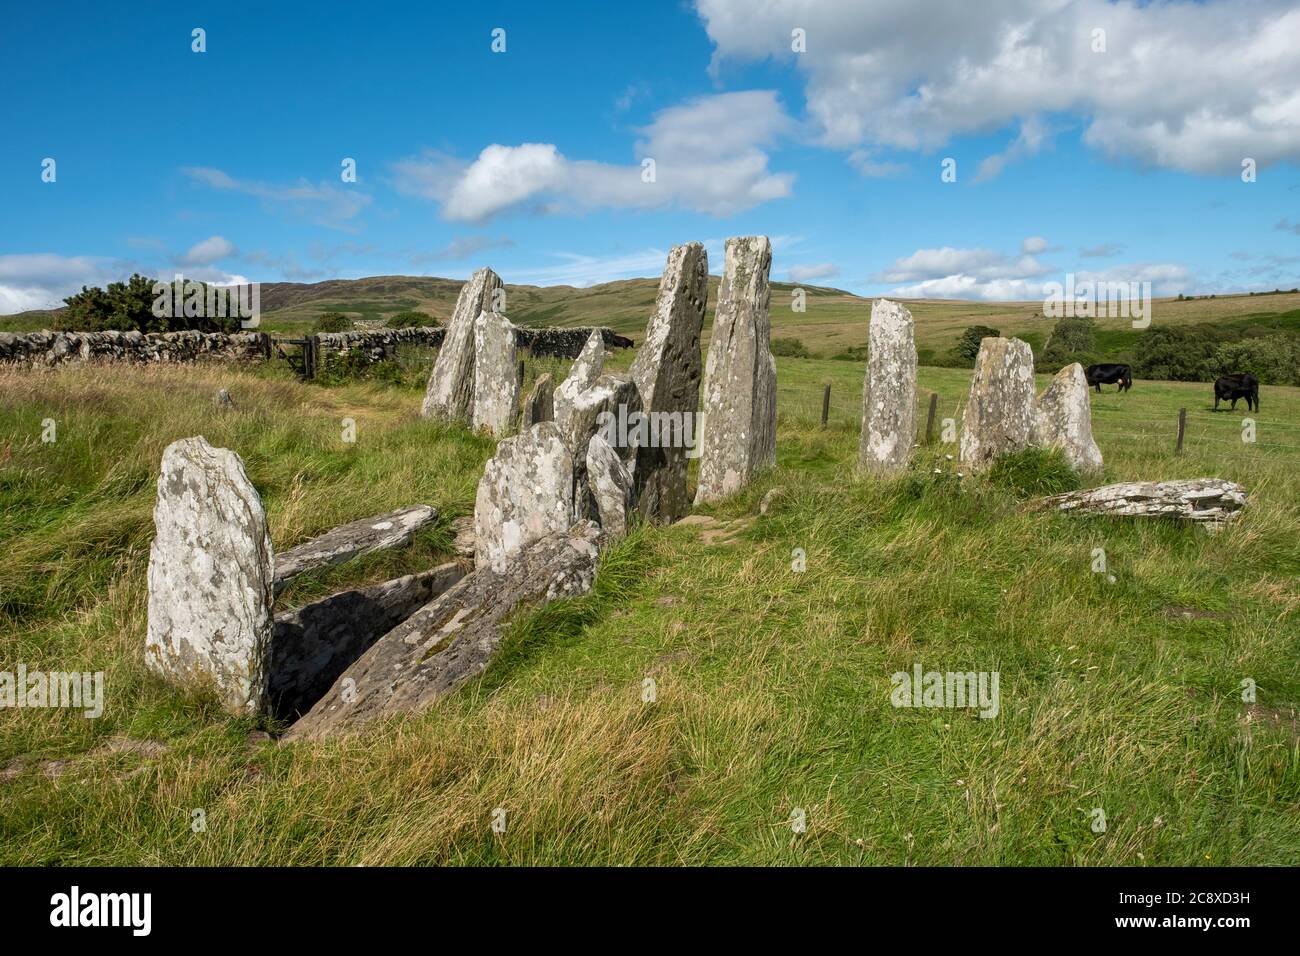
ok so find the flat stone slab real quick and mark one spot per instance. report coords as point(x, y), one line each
point(389, 530)
point(1203, 500)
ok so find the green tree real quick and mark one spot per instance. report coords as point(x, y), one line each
point(968, 346)
point(1073, 339)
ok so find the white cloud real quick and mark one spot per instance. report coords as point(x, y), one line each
point(709, 156)
point(1034, 245)
point(1188, 86)
point(824, 270)
point(210, 250)
point(42, 280)
point(325, 204)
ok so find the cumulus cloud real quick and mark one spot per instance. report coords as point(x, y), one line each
point(709, 155)
point(1034, 246)
point(825, 270)
point(210, 250)
point(42, 280)
point(1181, 85)
point(325, 203)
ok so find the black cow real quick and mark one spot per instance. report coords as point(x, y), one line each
point(1106, 374)
point(1235, 386)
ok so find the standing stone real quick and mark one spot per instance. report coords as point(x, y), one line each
point(609, 484)
point(999, 415)
point(526, 493)
point(496, 379)
point(611, 408)
point(1063, 419)
point(539, 406)
point(450, 393)
point(889, 391)
point(582, 375)
point(667, 372)
point(738, 431)
point(210, 573)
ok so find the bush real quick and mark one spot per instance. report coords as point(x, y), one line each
point(789, 348)
point(333, 322)
point(129, 307)
point(412, 319)
point(1034, 472)
point(968, 346)
point(1273, 359)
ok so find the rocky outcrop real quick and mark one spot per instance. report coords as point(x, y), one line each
point(210, 579)
point(389, 530)
point(496, 379)
point(1210, 501)
point(449, 395)
point(1063, 419)
point(453, 638)
point(526, 493)
point(667, 372)
point(582, 375)
point(999, 415)
point(888, 391)
point(738, 430)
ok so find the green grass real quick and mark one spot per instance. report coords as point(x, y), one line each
point(772, 687)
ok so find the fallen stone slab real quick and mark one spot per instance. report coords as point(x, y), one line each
point(392, 529)
point(312, 645)
point(1210, 501)
point(454, 638)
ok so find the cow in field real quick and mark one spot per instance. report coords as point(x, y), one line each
point(1106, 374)
point(1235, 386)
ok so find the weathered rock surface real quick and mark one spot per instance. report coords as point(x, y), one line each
point(889, 391)
point(539, 406)
point(607, 408)
point(526, 493)
point(463, 543)
point(1063, 419)
point(667, 371)
point(450, 392)
point(313, 645)
point(1204, 500)
point(609, 484)
point(582, 375)
point(209, 576)
point(999, 415)
point(738, 429)
point(392, 529)
point(496, 377)
point(453, 638)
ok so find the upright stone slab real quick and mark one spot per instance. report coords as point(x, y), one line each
point(609, 485)
point(210, 574)
point(450, 393)
point(667, 372)
point(888, 391)
point(611, 408)
point(1063, 419)
point(496, 376)
point(526, 493)
point(586, 368)
point(738, 431)
point(999, 415)
point(539, 406)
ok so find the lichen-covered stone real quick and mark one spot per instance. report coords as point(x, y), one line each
point(1063, 419)
point(609, 484)
point(586, 368)
point(450, 392)
point(496, 376)
point(539, 406)
point(392, 529)
point(999, 415)
point(667, 371)
point(888, 391)
point(526, 493)
point(210, 573)
point(738, 427)
point(611, 407)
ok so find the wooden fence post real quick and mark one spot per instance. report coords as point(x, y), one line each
point(826, 404)
point(1182, 427)
point(929, 420)
point(310, 355)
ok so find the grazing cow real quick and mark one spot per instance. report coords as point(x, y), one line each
point(1106, 374)
point(1235, 386)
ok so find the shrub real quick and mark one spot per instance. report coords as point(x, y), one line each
point(1034, 472)
point(968, 346)
point(333, 322)
point(789, 348)
point(128, 307)
point(412, 319)
point(1273, 359)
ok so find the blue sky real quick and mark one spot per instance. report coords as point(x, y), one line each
point(1122, 162)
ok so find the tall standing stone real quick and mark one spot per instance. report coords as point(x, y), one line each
point(210, 577)
point(450, 393)
point(667, 372)
point(888, 391)
point(526, 493)
point(586, 368)
point(738, 430)
point(1063, 419)
point(496, 378)
point(999, 415)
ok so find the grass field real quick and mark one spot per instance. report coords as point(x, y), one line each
point(773, 687)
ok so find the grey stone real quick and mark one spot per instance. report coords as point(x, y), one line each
point(888, 391)
point(610, 407)
point(738, 430)
point(999, 415)
point(496, 377)
point(586, 368)
point(1063, 419)
point(209, 576)
point(526, 493)
point(609, 484)
point(667, 371)
point(449, 395)
point(1209, 501)
point(223, 399)
point(539, 406)
point(392, 529)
